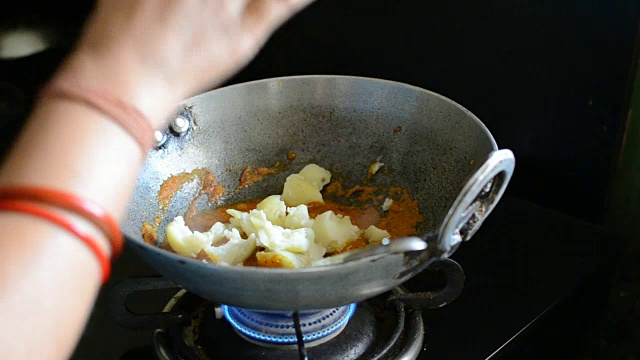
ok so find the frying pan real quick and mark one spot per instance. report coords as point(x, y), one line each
point(436, 149)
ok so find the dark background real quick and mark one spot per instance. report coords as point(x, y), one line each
point(549, 78)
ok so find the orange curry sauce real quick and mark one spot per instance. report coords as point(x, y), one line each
point(363, 204)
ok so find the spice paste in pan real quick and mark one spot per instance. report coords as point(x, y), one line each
point(365, 205)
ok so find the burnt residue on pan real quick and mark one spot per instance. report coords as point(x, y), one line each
point(251, 175)
point(209, 187)
point(169, 188)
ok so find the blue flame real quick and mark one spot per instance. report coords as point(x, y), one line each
point(281, 339)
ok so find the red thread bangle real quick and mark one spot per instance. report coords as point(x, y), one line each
point(25, 207)
point(83, 207)
point(119, 111)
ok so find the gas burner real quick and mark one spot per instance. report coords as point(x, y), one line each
point(277, 329)
point(388, 326)
point(374, 329)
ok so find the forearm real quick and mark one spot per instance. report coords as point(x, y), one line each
point(74, 148)
point(70, 147)
point(150, 54)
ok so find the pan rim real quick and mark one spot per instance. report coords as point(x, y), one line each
point(352, 77)
point(306, 270)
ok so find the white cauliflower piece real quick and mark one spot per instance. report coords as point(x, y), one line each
point(234, 252)
point(275, 237)
point(241, 221)
point(184, 241)
point(217, 232)
point(375, 235)
point(387, 204)
point(298, 190)
point(333, 232)
point(274, 208)
point(298, 217)
point(315, 253)
point(374, 167)
point(233, 234)
point(316, 175)
point(280, 223)
point(280, 258)
point(287, 259)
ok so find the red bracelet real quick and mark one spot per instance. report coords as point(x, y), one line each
point(119, 111)
point(25, 207)
point(91, 211)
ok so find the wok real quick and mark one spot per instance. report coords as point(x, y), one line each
point(438, 150)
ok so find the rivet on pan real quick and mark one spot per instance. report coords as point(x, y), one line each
point(159, 137)
point(180, 125)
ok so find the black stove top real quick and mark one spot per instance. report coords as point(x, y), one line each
point(377, 329)
point(528, 269)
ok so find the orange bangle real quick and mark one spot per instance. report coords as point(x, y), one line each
point(119, 111)
point(83, 207)
point(25, 207)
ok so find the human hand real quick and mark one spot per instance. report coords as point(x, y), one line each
point(156, 53)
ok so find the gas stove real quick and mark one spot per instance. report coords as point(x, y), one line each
point(192, 328)
point(526, 272)
point(388, 326)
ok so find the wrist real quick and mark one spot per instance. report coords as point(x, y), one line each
point(122, 77)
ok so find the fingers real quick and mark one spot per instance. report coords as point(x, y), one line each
point(264, 16)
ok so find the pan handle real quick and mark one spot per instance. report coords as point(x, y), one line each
point(129, 319)
point(476, 201)
point(429, 300)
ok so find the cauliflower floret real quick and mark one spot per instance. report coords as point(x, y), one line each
point(274, 208)
point(217, 232)
point(288, 259)
point(271, 236)
point(315, 252)
point(298, 190)
point(240, 220)
point(275, 237)
point(184, 241)
point(280, 258)
point(375, 235)
point(234, 252)
point(374, 167)
point(387, 204)
point(333, 232)
point(316, 175)
point(280, 224)
point(298, 217)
